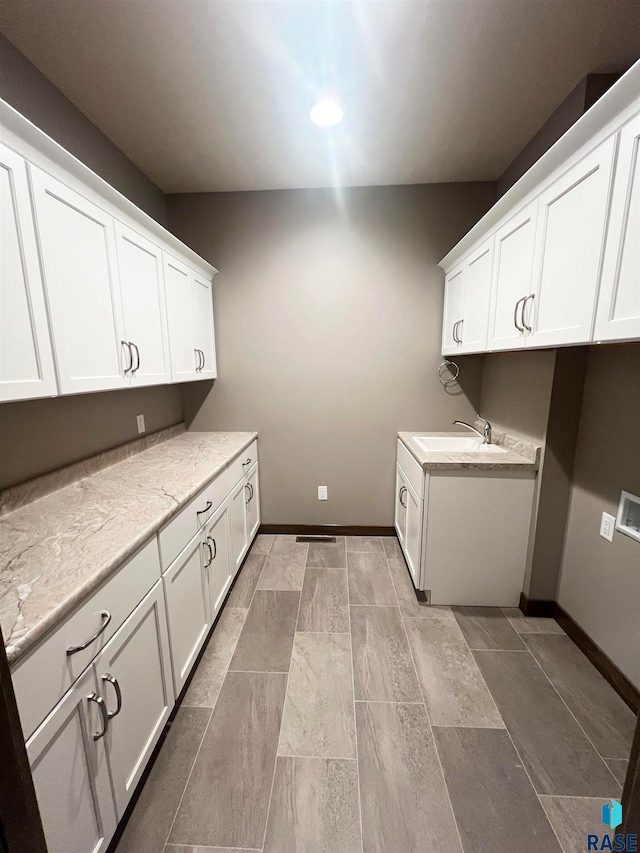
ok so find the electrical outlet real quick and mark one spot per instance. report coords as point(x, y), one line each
point(140, 421)
point(322, 493)
point(607, 526)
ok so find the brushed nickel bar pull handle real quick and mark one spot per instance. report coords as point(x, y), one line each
point(215, 547)
point(203, 359)
point(206, 509)
point(531, 296)
point(93, 697)
point(515, 314)
point(108, 678)
point(247, 461)
point(128, 347)
point(403, 489)
point(461, 324)
point(135, 347)
point(106, 618)
point(208, 547)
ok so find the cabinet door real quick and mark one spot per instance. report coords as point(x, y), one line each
point(454, 285)
point(413, 533)
point(79, 264)
point(253, 504)
point(473, 329)
point(26, 359)
point(145, 319)
point(202, 325)
point(618, 312)
point(218, 562)
point(512, 269)
point(177, 284)
point(238, 526)
point(135, 665)
point(70, 774)
point(571, 220)
point(400, 519)
point(188, 613)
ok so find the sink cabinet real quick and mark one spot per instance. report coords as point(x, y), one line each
point(464, 532)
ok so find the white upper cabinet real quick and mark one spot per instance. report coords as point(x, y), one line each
point(177, 283)
point(143, 303)
point(202, 325)
point(512, 269)
point(453, 309)
point(565, 268)
point(618, 311)
point(94, 294)
point(572, 214)
point(77, 246)
point(473, 329)
point(26, 360)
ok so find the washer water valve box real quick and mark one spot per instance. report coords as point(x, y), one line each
point(628, 521)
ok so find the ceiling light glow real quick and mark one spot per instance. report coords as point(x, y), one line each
point(326, 112)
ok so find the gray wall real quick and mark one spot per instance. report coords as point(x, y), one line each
point(329, 309)
point(600, 581)
point(33, 95)
point(39, 435)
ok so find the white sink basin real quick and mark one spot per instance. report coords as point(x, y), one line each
point(453, 444)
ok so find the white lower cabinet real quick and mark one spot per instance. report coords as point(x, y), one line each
point(238, 535)
point(252, 504)
point(188, 611)
point(71, 775)
point(217, 560)
point(465, 541)
point(88, 754)
point(408, 522)
point(133, 673)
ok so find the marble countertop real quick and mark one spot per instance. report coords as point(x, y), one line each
point(520, 454)
point(59, 546)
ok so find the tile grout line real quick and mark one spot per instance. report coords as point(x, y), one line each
point(184, 790)
point(206, 728)
point(353, 688)
point(597, 752)
point(286, 690)
point(524, 767)
point(424, 705)
point(506, 729)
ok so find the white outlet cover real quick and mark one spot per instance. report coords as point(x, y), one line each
point(607, 526)
point(322, 493)
point(140, 422)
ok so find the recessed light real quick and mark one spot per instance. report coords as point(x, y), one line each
point(326, 112)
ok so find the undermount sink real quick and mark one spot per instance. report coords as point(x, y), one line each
point(453, 444)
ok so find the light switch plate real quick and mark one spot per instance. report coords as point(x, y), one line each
point(607, 526)
point(322, 493)
point(140, 421)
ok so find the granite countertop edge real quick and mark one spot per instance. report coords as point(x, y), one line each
point(459, 460)
point(16, 649)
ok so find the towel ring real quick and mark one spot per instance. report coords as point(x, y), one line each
point(453, 370)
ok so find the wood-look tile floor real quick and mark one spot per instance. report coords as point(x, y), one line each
point(332, 712)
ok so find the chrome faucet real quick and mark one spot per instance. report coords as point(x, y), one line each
point(485, 435)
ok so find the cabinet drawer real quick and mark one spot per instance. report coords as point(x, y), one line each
point(177, 534)
point(412, 469)
point(44, 676)
point(243, 464)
